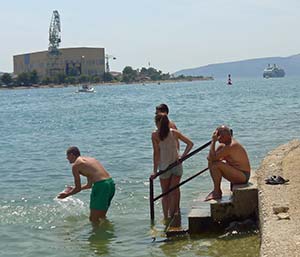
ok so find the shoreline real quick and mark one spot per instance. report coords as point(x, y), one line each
point(142, 83)
point(279, 207)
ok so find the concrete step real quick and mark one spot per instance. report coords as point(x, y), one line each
point(240, 204)
point(178, 226)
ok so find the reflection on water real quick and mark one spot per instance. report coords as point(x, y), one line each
point(244, 243)
point(101, 236)
point(208, 245)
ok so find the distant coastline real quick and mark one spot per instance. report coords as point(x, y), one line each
point(142, 83)
point(249, 68)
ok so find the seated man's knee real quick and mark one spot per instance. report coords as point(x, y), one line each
point(216, 165)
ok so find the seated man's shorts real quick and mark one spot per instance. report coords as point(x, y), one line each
point(102, 193)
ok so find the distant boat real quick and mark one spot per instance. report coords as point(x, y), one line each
point(229, 80)
point(86, 89)
point(273, 71)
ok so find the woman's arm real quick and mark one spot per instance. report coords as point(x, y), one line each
point(186, 140)
point(156, 155)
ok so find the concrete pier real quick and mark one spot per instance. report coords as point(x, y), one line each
point(276, 207)
point(279, 205)
point(238, 205)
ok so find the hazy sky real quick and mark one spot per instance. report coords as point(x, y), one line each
point(170, 34)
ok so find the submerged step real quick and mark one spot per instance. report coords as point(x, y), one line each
point(199, 220)
point(178, 225)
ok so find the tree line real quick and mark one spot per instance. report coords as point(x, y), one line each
point(128, 75)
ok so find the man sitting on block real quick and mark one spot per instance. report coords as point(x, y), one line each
point(228, 160)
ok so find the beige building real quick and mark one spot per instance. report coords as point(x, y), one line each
point(70, 61)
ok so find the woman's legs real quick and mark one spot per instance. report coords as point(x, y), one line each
point(165, 185)
point(174, 196)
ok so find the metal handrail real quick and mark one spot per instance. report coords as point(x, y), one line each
point(172, 165)
point(180, 184)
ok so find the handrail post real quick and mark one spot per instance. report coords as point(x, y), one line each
point(151, 197)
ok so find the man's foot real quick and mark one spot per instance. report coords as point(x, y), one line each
point(213, 196)
point(68, 189)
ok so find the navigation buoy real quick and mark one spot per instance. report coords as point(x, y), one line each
point(229, 80)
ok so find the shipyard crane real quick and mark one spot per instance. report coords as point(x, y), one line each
point(54, 34)
point(107, 57)
point(53, 64)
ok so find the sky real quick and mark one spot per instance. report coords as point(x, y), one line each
point(169, 35)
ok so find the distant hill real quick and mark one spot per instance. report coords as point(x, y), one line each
point(245, 68)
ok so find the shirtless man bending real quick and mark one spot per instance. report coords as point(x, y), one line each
point(103, 186)
point(229, 160)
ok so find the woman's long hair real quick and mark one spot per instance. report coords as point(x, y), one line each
point(162, 122)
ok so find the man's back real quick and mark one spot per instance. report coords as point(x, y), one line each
point(237, 156)
point(91, 168)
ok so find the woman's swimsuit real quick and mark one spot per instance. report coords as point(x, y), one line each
point(169, 154)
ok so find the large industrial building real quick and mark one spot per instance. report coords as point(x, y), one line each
point(70, 61)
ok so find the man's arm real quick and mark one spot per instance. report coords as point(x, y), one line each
point(172, 125)
point(212, 152)
point(77, 183)
point(221, 152)
point(88, 185)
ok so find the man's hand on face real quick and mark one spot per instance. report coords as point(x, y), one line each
point(215, 136)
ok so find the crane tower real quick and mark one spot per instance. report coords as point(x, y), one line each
point(54, 33)
point(107, 57)
point(53, 66)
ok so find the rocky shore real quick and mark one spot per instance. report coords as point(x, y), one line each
point(279, 205)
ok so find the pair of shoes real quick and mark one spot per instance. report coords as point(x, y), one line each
point(276, 180)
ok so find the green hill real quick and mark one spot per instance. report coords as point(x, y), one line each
point(245, 68)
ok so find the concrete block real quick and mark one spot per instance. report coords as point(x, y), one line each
point(221, 211)
point(240, 204)
point(245, 199)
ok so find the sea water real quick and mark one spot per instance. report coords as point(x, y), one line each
point(114, 125)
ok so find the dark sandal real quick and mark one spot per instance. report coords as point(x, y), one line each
point(276, 180)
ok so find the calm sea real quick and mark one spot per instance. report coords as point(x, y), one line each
point(114, 125)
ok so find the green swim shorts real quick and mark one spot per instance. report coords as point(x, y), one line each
point(102, 193)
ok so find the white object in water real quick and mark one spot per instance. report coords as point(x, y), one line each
point(86, 89)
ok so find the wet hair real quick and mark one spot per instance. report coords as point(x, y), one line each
point(224, 130)
point(73, 150)
point(162, 108)
point(163, 121)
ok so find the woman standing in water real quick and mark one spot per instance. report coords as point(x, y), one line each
point(165, 152)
